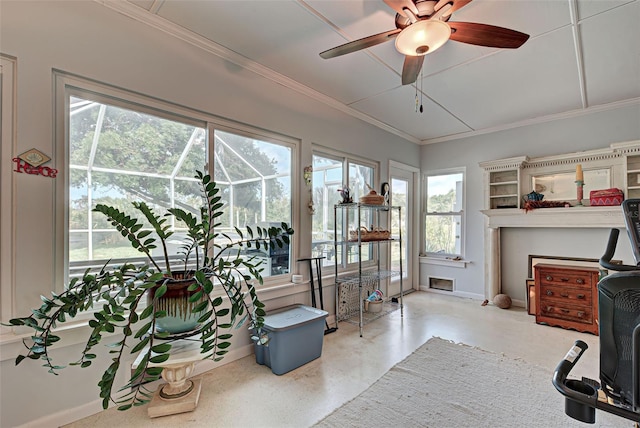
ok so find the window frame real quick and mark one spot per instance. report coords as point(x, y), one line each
point(461, 213)
point(347, 160)
point(8, 109)
point(66, 85)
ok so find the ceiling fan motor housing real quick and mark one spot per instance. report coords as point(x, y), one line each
point(426, 9)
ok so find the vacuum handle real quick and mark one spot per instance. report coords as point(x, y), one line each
point(605, 260)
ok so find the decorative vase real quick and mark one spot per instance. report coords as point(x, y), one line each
point(180, 317)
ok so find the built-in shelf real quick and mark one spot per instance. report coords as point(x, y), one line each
point(503, 183)
point(508, 195)
point(633, 176)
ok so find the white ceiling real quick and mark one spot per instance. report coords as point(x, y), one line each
point(582, 55)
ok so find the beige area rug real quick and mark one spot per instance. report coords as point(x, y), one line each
point(443, 384)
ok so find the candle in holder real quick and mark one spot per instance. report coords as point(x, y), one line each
point(579, 184)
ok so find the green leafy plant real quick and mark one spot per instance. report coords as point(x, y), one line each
point(115, 296)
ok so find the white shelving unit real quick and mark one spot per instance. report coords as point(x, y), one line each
point(633, 176)
point(353, 288)
point(503, 182)
point(503, 189)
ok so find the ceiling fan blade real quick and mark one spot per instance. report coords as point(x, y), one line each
point(455, 5)
point(359, 44)
point(399, 5)
point(411, 68)
point(486, 35)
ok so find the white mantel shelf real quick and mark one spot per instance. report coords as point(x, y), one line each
point(579, 217)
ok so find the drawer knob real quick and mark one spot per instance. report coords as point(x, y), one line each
point(580, 296)
point(548, 309)
point(564, 294)
point(548, 277)
point(580, 314)
point(580, 281)
point(549, 293)
point(564, 279)
point(565, 311)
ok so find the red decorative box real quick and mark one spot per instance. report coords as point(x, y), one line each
point(606, 197)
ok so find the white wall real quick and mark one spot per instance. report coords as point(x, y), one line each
point(586, 132)
point(94, 42)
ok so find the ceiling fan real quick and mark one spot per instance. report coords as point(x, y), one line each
point(422, 27)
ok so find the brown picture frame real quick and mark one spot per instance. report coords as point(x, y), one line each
point(531, 296)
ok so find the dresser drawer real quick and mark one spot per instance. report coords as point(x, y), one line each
point(567, 312)
point(565, 278)
point(572, 295)
point(567, 296)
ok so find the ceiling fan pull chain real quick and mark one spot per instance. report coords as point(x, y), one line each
point(421, 89)
point(416, 97)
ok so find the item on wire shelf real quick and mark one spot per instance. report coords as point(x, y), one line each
point(345, 194)
point(373, 234)
point(373, 306)
point(606, 197)
point(372, 198)
point(376, 295)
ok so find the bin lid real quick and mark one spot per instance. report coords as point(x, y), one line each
point(292, 316)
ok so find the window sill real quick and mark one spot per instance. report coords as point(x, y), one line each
point(444, 261)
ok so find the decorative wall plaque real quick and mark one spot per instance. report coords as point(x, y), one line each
point(31, 161)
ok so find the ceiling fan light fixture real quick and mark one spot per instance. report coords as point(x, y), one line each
point(423, 37)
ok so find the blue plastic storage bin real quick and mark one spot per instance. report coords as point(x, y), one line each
point(296, 334)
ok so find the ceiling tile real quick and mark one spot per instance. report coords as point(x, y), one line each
point(512, 85)
point(398, 109)
point(285, 38)
point(612, 57)
point(533, 17)
point(587, 8)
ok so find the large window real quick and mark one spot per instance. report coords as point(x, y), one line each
point(330, 174)
point(120, 153)
point(444, 215)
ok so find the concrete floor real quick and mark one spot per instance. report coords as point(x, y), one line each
point(245, 394)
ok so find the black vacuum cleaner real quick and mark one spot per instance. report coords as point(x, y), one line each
point(318, 263)
point(618, 391)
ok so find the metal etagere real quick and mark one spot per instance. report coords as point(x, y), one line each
point(354, 287)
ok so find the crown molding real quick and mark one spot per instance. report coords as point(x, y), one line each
point(143, 16)
point(542, 119)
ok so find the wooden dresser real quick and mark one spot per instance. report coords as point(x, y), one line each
point(567, 296)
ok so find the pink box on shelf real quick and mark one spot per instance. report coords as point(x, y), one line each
point(606, 197)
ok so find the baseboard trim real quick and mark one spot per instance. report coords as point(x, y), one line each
point(67, 416)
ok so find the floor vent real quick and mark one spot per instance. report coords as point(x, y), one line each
point(441, 284)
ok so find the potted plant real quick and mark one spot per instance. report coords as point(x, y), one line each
point(181, 298)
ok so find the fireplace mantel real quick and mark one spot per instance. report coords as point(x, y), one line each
point(579, 217)
point(572, 217)
point(507, 181)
